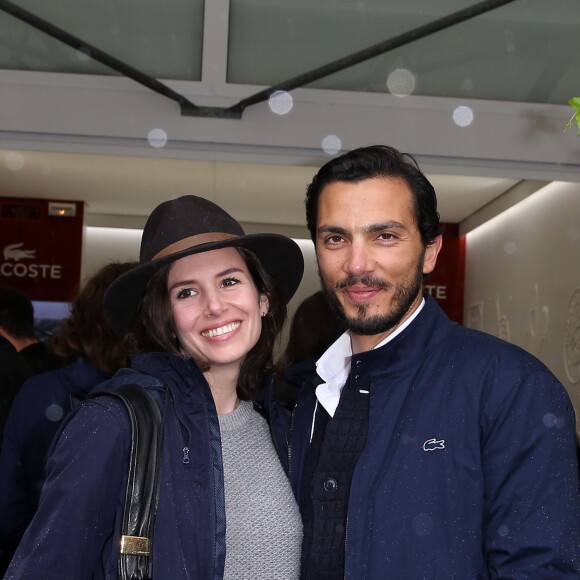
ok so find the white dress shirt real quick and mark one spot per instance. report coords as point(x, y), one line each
point(333, 366)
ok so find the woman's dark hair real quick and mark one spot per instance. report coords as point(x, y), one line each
point(86, 332)
point(371, 162)
point(154, 328)
point(315, 326)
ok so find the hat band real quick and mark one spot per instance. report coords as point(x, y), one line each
point(193, 241)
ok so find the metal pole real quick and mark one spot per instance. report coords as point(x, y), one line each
point(372, 51)
point(97, 54)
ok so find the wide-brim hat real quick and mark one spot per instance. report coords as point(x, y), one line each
point(190, 225)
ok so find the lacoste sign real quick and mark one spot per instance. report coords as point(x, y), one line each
point(40, 254)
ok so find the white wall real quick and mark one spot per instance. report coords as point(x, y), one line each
point(523, 279)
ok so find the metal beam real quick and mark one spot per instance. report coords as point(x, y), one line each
point(189, 109)
point(372, 51)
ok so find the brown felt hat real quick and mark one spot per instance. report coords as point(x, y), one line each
point(190, 225)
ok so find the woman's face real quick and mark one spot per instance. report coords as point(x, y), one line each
point(216, 307)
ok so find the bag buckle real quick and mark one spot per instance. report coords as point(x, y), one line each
point(135, 546)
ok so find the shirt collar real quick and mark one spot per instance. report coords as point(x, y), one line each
point(333, 366)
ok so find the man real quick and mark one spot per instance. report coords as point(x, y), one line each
point(13, 372)
point(428, 451)
point(17, 326)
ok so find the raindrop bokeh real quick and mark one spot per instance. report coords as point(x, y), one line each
point(14, 161)
point(280, 102)
point(331, 144)
point(54, 412)
point(157, 138)
point(550, 420)
point(463, 116)
point(510, 248)
point(401, 82)
point(84, 53)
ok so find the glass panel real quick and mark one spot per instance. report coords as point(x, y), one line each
point(161, 39)
point(524, 51)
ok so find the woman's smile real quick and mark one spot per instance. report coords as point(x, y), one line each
point(221, 331)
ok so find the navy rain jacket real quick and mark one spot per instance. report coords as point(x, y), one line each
point(74, 534)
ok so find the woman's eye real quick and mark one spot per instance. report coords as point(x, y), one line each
point(185, 293)
point(227, 282)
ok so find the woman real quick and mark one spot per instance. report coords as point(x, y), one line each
point(203, 310)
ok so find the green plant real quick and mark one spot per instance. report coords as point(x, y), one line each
point(575, 102)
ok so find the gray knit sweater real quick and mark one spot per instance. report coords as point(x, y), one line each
point(264, 529)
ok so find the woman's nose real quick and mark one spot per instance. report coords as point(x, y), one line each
point(214, 305)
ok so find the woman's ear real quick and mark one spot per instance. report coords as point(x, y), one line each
point(264, 305)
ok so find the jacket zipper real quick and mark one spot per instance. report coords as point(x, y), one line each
point(345, 542)
point(289, 442)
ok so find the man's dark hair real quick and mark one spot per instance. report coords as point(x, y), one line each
point(16, 314)
point(154, 328)
point(378, 161)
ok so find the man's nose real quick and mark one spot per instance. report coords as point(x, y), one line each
point(358, 260)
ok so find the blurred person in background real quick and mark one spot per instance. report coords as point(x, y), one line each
point(17, 326)
point(315, 326)
point(91, 353)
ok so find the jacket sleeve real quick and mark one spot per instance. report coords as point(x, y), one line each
point(531, 491)
point(69, 534)
point(16, 509)
point(27, 437)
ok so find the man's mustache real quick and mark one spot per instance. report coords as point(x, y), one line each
point(366, 280)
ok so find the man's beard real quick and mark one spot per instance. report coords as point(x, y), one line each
point(362, 324)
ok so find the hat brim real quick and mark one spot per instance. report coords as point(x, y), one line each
point(280, 256)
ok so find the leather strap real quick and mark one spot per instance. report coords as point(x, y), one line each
point(142, 495)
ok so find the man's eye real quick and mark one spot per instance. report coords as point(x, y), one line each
point(332, 240)
point(387, 236)
point(185, 293)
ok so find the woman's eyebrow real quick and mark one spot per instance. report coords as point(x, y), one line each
point(193, 281)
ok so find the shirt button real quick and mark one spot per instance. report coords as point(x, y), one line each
point(358, 363)
point(330, 484)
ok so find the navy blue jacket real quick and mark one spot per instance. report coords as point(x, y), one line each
point(35, 416)
point(75, 531)
point(469, 470)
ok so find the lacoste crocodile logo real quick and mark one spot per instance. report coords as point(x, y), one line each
point(433, 444)
point(14, 252)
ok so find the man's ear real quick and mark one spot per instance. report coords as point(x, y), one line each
point(431, 253)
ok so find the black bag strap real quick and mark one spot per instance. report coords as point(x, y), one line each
point(142, 492)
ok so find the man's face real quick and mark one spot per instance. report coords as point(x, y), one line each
point(370, 255)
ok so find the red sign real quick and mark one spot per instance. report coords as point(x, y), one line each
point(41, 247)
point(446, 283)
